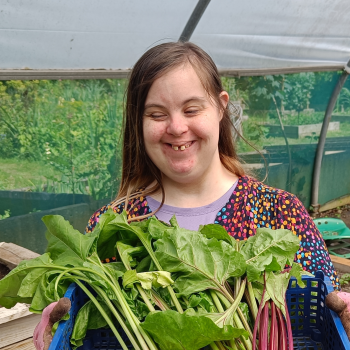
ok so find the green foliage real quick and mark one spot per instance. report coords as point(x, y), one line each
point(197, 264)
point(74, 126)
point(300, 88)
point(345, 279)
point(6, 215)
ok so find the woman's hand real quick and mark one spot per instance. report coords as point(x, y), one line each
point(51, 314)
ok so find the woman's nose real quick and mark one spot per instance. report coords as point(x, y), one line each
point(177, 125)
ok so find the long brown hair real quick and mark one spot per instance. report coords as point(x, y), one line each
point(138, 171)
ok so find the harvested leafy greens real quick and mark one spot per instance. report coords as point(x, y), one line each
point(170, 288)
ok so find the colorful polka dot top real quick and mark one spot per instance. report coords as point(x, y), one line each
point(253, 205)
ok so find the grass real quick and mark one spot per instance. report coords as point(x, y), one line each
point(18, 174)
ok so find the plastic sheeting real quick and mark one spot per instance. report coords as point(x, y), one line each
point(113, 34)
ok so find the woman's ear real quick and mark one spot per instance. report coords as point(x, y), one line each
point(224, 98)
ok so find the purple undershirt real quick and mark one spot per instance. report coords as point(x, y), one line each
point(191, 218)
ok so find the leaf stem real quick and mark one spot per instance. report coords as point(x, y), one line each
point(216, 301)
point(103, 313)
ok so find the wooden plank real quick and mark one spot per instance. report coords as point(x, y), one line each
point(18, 330)
point(341, 263)
point(22, 345)
point(12, 254)
point(18, 311)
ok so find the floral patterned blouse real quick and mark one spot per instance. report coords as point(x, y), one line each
point(253, 205)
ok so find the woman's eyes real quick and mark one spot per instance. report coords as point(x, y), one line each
point(191, 111)
point(159, 115)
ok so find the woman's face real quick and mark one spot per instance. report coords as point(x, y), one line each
point(181, 126)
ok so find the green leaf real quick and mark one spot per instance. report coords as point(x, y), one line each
point(147, 279)
point(106, 235)
point(199, 262)
point(175, 331)
point(138, 307)
point(173, 222)
point(202, 300)
point(127, 252)
point(45, 291)
point(88, 317)
point(11, 283)
point(271, 249)
point(157, 228)
point(66, 245)
point(216, 231)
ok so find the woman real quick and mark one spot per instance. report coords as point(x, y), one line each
point(179, 158)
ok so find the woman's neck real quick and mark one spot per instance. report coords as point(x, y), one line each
point(197, 193)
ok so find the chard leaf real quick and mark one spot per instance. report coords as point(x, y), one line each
point(87, 318)
point(199, 263)
point(203, 300)
point(127, 252)
point(216, 231)
point(269, 249)
point(297, 272)
point(11, 283)
point(138, 307)
point(157, 228)
point(175, 331)
point(147, 279)
point(106, 235)
point(66, 245)
point(144, 265)
point(173, 222)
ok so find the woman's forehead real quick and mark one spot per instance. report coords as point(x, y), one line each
point(180, 83)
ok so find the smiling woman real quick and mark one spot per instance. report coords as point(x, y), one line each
point(179, 158)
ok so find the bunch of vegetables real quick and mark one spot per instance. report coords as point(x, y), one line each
point(169, 288)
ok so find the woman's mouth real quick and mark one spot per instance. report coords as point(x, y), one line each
point(181, 147)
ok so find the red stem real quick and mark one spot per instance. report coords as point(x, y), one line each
point(264, 328)
point(257, 321)
point(273, 345)
point(289, 327)
point(282, 331)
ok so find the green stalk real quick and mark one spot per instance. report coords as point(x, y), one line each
point(237, 319)
point(159, 301)
point(216, 301)
point(156, 262)
point(252, 300)
point(145, 297)
point(214, 346)
point(141, 335)
point(237, 286)
point(133, 341)
point(231, 310)
point(114, 285)
point(220, 345)
point(103, 313)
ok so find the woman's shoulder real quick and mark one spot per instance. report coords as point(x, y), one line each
point(251, 187)
point(137, 207)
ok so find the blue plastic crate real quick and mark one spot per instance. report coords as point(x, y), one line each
point(314, 326)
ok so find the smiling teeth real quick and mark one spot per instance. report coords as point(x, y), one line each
point(182, 148)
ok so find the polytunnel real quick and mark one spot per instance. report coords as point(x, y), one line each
point(63, 70)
